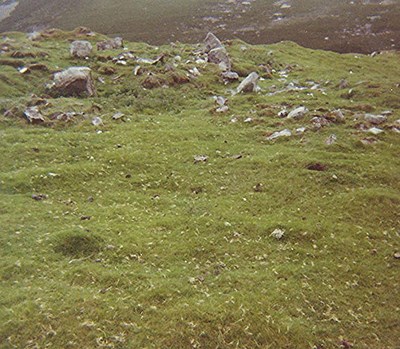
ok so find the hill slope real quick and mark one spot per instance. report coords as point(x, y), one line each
point(342, 26)
point(155, 231)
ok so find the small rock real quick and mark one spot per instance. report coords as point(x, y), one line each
point(278, 134)
point(81, 49)
point(397, 255)
point(300, 130)
point(220, 100)
point(110, 44)
point(375, 119)
point(97, 121)
point(118, 116)
point(229, 76)
point(39, 197)
point(249, 84)
point(200, 158)
point(297, 113)
point(248, 120)
point(331, 139)
point(369, 140)
point(278, 234)
point(338, 116)
point(222, 109)
point(33, 115)
point(375, 131)
point(283, 113)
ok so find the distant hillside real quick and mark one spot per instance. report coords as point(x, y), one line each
point(343, 25)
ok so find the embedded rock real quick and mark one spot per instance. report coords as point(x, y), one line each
point(297, 113)
point(81, 49)
point(72, 82)
point(278, 134)
point(110, 44)
point(33, 115)
point(375, 119)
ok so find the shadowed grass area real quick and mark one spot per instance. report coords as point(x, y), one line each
point(138, 246)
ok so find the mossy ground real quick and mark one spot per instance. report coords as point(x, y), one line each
point(137, 246)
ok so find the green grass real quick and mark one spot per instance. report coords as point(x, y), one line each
point(177, 254)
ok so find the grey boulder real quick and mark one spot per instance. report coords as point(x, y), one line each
point(110, 44)
point(249, 84)
point(81, 49)
point(73, 82)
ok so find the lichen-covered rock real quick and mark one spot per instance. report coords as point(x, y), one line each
point(81, 49)
point(249, 84)
point(74, 81)
point(110, 44)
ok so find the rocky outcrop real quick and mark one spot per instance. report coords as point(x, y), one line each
point(110, 44)
point(81, 49)
point(216, 52)
point(249, 84)
point(211, 42)
point(33, 115)
point(73, 82)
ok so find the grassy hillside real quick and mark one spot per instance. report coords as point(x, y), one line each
point(136, 245)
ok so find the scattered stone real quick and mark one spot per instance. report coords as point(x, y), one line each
point(249, 84)
point(331, 139)
point(278, 234)
point(283, 113)
point(300, 130)
point(110, 44)
point(97, 121)
point(194, 72)
point(33, 115)
point(369, 140)
point(319, 122)
point(84, 31)
point(39, 197)
point(74, 81)
point(118, 116)
point(81, 49)
point(337, 116)
point(222, 109)
point(278, 134)
point(229, 76)
point(61, 116)
point(248, 120)
point(220, 100)
point(375, 131)
point(258, 188)
point(200, 158)
point(397, 255)
point(375, 119)
point(297, 113)
point(317, 166)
